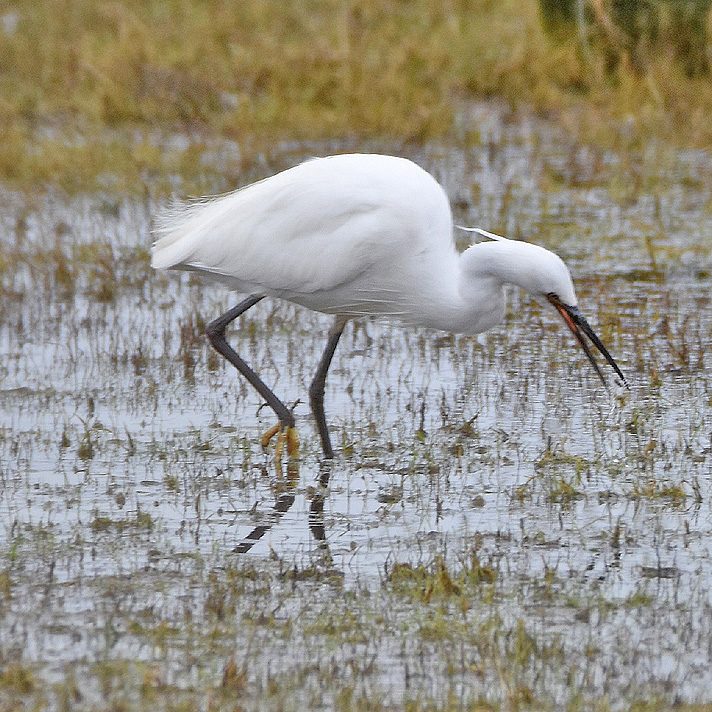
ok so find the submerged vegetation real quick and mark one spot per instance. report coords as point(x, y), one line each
point(133, 95)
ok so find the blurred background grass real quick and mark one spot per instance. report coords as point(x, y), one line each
point(133, 95)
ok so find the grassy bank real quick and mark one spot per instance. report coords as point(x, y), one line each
point(127, 95)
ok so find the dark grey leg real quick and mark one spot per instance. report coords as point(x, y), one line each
point(216, 333)
point(316, 389)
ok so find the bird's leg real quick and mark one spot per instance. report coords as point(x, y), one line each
point(316, 389)
point(216, 333)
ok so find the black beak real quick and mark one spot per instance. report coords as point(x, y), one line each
point(579, 326)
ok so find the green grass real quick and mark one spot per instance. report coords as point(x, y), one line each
point(93, 95)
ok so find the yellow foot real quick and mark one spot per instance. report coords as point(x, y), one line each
point(292, 442)
point(284, 435)
point(269, 434)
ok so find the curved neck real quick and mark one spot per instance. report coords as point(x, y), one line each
point(505, 262)
point(483, 270)
point(464, 297)
point(466, 294)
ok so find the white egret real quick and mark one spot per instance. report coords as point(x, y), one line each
point(357, 235)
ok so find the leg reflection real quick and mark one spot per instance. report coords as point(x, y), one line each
point(316, 507)
point(285, 497)
point(284, 491)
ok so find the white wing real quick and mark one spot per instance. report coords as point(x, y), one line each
point(317, 226)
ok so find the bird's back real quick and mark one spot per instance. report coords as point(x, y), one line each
point(329, 224)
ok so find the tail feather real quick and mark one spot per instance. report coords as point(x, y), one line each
point(177, 228)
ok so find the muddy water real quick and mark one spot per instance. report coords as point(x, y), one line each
point(130, 458)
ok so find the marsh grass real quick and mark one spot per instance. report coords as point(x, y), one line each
point(134, 95)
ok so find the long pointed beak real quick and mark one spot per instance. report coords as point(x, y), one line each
point(579, 326)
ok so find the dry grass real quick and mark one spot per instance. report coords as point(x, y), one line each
point(124, 95)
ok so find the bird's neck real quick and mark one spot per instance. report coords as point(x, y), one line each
point(460, 302)
point(478, 302)
point(482, 272)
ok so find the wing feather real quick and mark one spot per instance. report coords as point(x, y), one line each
point(314, 227)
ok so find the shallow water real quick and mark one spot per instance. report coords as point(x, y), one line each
point(130, 464)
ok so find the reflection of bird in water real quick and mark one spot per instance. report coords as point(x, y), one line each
point(357, 235)
point(283, 503)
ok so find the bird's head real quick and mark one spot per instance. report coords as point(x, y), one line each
point(545, 276)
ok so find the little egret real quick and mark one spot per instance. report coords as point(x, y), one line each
point(357, 235)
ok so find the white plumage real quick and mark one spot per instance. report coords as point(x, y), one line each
point(326, 234)
point(360, 235)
